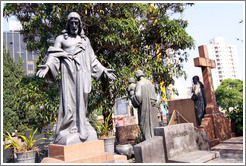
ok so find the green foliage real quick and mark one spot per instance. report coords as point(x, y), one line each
point(12, 144)
point(37, 102)
point(124, 36)
point(12, 73)
point(229, 96)
point(104, 130)
point(29, 142)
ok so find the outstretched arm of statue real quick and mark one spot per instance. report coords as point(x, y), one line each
point(43, 71)
point(110, 74)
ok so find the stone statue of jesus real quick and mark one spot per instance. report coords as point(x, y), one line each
point(74, 57)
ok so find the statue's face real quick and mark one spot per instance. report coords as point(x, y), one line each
point(195, 80)
point(74, 26)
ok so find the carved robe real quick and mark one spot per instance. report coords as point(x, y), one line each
point(76, 71)
point(145, 99)
point(200, 102)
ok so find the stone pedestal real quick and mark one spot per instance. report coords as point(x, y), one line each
point(88, 152)
point(218, 128)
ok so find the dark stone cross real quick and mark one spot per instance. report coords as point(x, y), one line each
point(207, 64)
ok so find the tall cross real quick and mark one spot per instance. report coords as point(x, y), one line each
point(207, 64)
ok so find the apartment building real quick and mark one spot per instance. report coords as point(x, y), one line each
point(226, 59)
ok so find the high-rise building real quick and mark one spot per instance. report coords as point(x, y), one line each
point(226, 59)
point(13, 41)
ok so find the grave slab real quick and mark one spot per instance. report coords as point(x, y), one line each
point(198, 156)
point(150, 151)
point(126, 134)
point(228, 148)
point(180, 144)
point(185, 107)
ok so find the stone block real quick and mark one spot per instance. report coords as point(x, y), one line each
point(150, 151)
point(71, 152)
point(88, 152)
point(181, 144)
point(99, 158)
point(185, 107)
point(202, 140)
point(197, 156)
point(126, 133)
point(218, 128)
point(178, 139)
point(120, 158)
point(129, 120)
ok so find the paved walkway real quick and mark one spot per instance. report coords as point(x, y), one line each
point(231, 151)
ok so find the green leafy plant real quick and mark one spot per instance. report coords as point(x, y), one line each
point(105, 129)
point(28, 145)
point(11, 144)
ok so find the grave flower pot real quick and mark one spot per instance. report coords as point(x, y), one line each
point(26, 157)
point(105, 133)
point(25, 151)
point(109, 144)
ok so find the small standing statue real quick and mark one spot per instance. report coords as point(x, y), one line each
point(73, 55)
point(145, 100)
point(199, 98)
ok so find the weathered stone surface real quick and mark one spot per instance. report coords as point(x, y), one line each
point(197, 156)
point(234, 140)
point(88, 152)
point(126, 133)
point(202, 140)
point(218, 128)
point(232, 145)
point(231, 151)
point(180, 144)
point(179, 138)
point(185, 107)
point(150, 151)
point(129, 120)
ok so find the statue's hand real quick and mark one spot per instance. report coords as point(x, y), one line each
point(110, 74)
point(43, 71)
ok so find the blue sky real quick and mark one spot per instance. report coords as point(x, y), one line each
point(206, 21)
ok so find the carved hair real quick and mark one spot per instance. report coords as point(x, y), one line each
point(196, 77)
point(67, 30)
point(139, 73)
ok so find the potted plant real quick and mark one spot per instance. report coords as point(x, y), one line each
point(105, 132)
point(25, 153)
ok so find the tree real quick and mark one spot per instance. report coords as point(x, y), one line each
point(229, 96)
point(12, 73)
point(37, 102)
point(124, 36)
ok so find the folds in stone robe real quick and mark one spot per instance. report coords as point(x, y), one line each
point(76, 72)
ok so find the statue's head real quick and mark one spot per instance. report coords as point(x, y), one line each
point(139, 74)
point(195, 79)
point(131, 80)
point(74, 24)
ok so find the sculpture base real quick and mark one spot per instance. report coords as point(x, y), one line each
point(218, 128)
point(88, 152)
